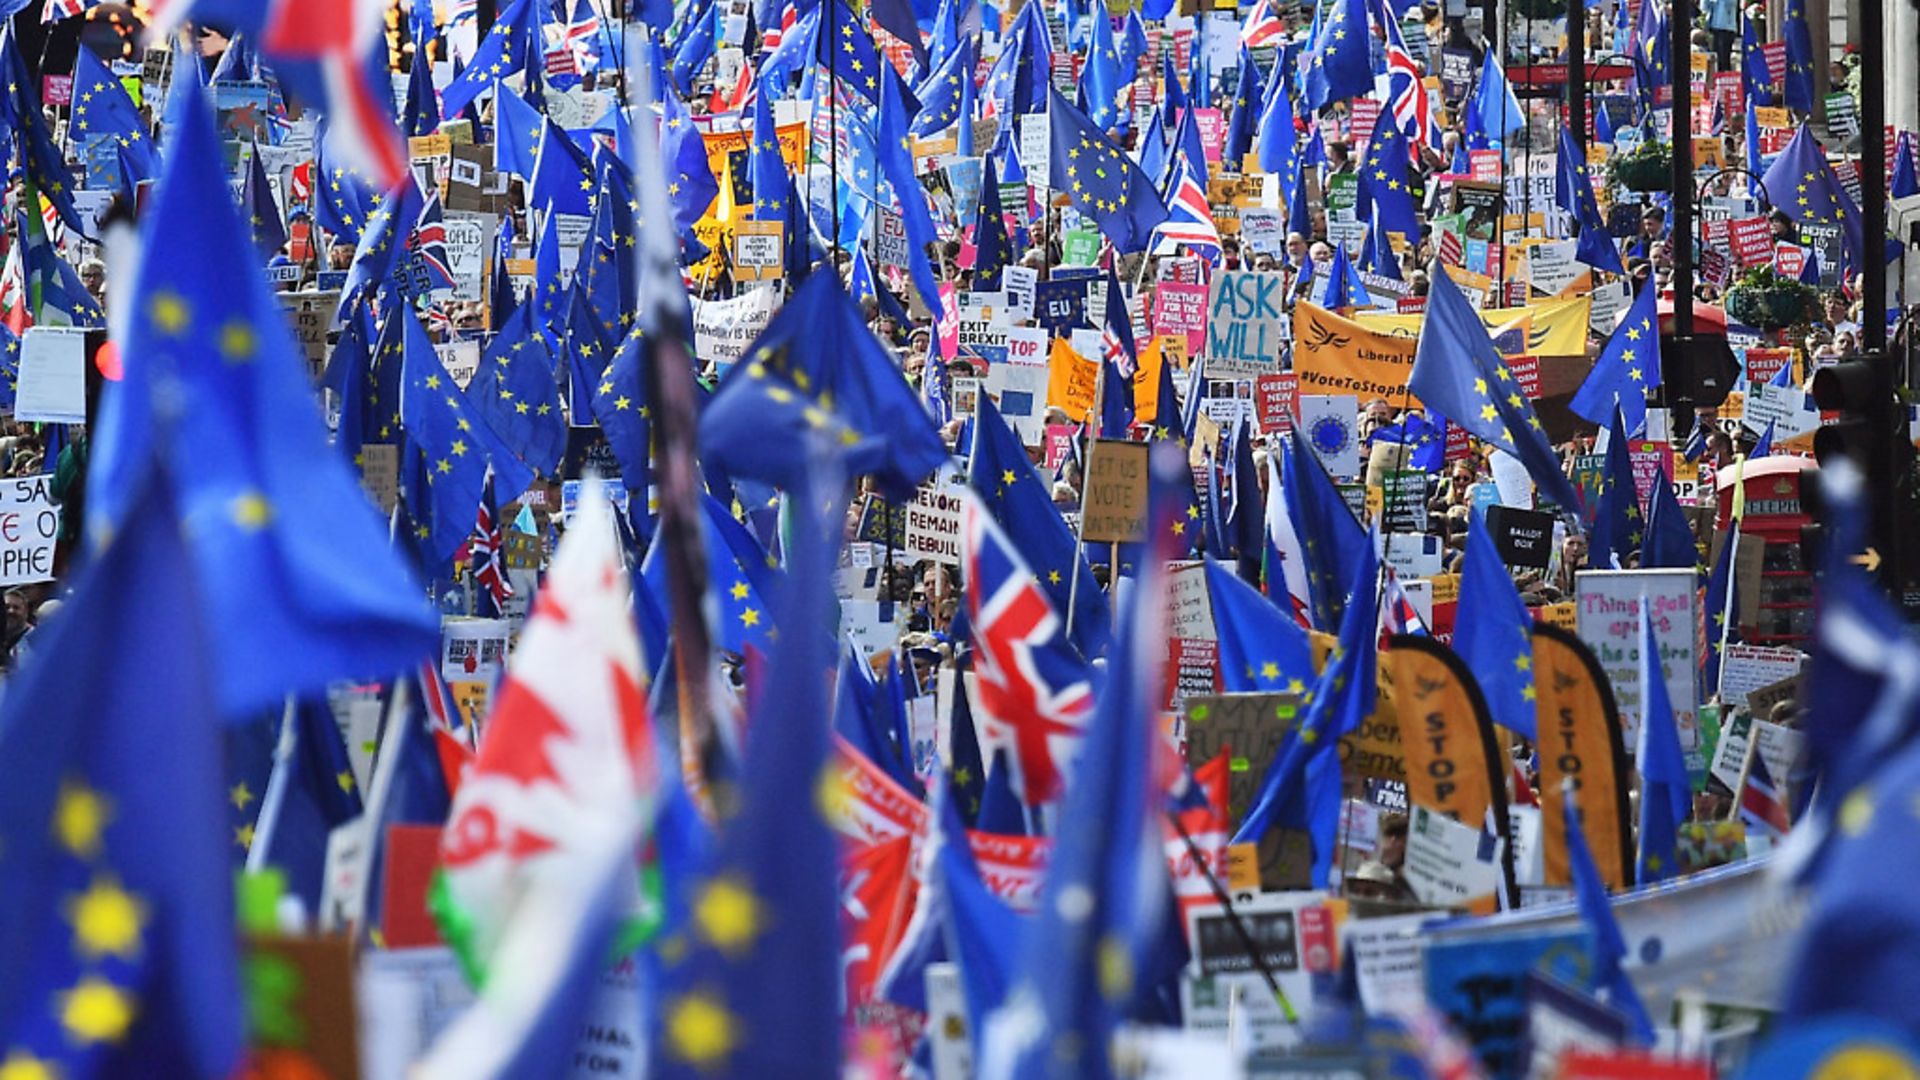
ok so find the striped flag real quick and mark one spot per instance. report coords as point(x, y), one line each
point(777, 33)
point(486, 557)
point(1263, 27)
point(1412, 109)
point(1763, 806)
point(56, 10)
point(429, 244)
point(1189, 217)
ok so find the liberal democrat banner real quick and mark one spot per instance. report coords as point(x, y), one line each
point(1553, 327)
point(1454, 764)
point(1332, 355)
point(1579, 739)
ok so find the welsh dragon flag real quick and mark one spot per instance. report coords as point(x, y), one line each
point(539, 886)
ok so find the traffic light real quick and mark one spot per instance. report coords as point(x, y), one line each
point(1871, 430)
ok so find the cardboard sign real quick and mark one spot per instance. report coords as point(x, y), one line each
point(758, 254)
point(933, 518)
point(1115, 505)
point(1251, 726)
point(472, 649)
point(29, 528)
point(1611, 605)
point(1246, 324)
point(380, 474)
point(52, 382)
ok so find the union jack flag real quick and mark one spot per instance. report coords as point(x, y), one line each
point(429, 244)
point(774, 35)
point(1762, 805)
point(55, 10)
point(1189, 218)
point(1407, 90)
point(1035, 696)
point(486, 557)
point(1263, 27)
point(1397, 613)
point(583, 35)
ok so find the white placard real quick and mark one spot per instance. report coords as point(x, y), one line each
point(1607, 614)
point(29, 528)
point(53, 376)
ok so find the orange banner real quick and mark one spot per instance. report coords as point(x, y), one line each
point(1579, 739)
point(1454, 765)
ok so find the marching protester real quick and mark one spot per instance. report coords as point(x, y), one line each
point(808, 537)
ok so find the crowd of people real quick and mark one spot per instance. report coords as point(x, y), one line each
point(770, 538)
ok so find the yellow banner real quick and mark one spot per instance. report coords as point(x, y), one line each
point(1334, 355)
point(1554, 327)
point(1146, 383)
point(1453, 762)
point(1579, 739)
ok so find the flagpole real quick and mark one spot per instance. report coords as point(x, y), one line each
point(1080, 527)
point(1746, 769)
point(1733, 559)
point(833, 123)
point(1240, 931)
point(276, 793)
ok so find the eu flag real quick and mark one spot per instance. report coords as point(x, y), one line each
point(312, 791)
point(767, 913)
point(1459, 374)
point(944, 93)
point(423, 104)
point(1616, 528)
point(514, 44)
point(818, 368)
point(1244, 123)
point(1802, 184)
point(443, 466)
point(1018, 85)
point(1262, 649)
point(1104, 81)
point(848, 52)
point(1278, 143)
point(1609, 947)
point(895, 151)
point(381, 252)
point(342, 199)
point(102, 110)
point(1669, 540)
point(1328, 532)
point(1383, 191)
point(1338, 62)
point(1666, 791)
point(1573, 192)
point(1021, 503)
point(116, 897)
point(562, 175)
point(301, 585)
point(1629, 366)
point(620, 406)
point(1799, 40)
point(690, 182)
point(1099, 178)
point(21, 118)
point(992, 251)
point(1722, 602)
point(1491, 634)
point(514, 392)
point(517, 130)
point(256, 199)
point(1344, 287)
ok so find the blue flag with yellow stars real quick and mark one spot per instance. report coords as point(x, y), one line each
point(1666, 790)
point(116, 895)
point(313, 791)
point(1383, 193)
point(895, 152)
point(1301, 787)
point(423, 104)
point(342, 199)
point(515, 394)
point(848, 52)
point(1669, 541)
point(21, 118)
point(1617, 526)
point(1459, 374)
point(740, 581)
point(1262, 650)
point(767, 911)
point(296, 570)
point(1243, 123)
point(774, 197)
point(1093, 953)
point(1799, 40)
point(1338, 64)
point(943, 96)
point(1628, 367)
point(1101, 180)
point(256, 199)
point(1609, 946)
point(818, 368)
point(1106, 84)
point(1021, 502)
point(102, 110)
point(1492, 633)
point(562, 175)
point(1573, 192)
point(1329, 535)
point(1344, 287)
point(1802, 184)
point(443, 465)
point(381, 255)
point(992, 250)
point(517, 130)
point(513, 45)
point(691, 186)
point(1018, 83)
point(620, 406)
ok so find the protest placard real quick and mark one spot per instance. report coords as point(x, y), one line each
point(380, 474)
point(1404, 500)
point(1252, 726)
point(1018, 283)
point(1611, 605)
point(1027, 345)
point(1328, 422)
point(1116, 493)
point(460, 358)
point(472, 650)
point(1746, 668)
point(758, 252)
point(933, 517)
point(52, 382)
point(1246, 324)
point(1275, 402)
point(1072, 381)
point(1180, 308)
point(722, 329)
point(29, 529)
point(1447, 863)
point(1522, 537)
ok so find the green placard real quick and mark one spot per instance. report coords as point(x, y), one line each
point(1080, 247)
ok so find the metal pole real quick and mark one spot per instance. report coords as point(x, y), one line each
point(1680, 237)
point(1577, 73)
point(1873, 177)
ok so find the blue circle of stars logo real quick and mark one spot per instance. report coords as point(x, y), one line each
point(1330, 434)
